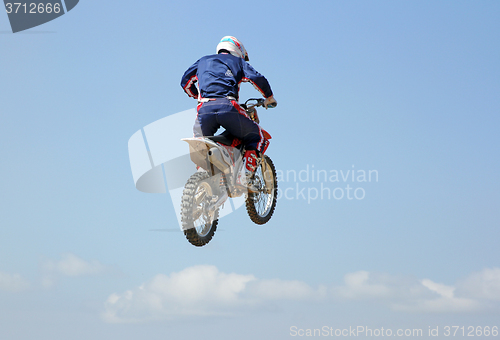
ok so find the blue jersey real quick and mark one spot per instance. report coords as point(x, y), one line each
point(220, 76)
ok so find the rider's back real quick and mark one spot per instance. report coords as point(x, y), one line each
point(219, 76)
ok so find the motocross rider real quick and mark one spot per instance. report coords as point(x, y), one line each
point(219, 77)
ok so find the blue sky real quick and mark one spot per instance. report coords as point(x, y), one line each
point(409, 89)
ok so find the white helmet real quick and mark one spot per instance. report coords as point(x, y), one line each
point(233, 46)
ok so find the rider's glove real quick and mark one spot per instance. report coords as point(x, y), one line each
point(270, 102)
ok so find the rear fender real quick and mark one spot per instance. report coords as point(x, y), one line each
point(199, 146)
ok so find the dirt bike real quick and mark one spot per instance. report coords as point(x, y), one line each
point(220, 160)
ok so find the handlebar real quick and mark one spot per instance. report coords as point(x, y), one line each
point(250, 107)
point(259, 102)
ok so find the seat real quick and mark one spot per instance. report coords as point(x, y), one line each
point(224, 138)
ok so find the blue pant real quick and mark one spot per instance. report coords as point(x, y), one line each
point(228, 114)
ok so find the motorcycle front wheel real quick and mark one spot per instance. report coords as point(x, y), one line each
point(199, 222)
point(260, 205)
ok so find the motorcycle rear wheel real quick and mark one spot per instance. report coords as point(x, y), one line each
point(260, 205)
point(199, 224)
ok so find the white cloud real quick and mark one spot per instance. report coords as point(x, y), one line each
point(482, 285)
point(72, 266)
point(441, 289)
point(204, 290)
point(359, 285)
point(404, 293)
point(444, 301)
point(363, 285)
point(12, 282)
point(200, 291)
point(275, 289)
point(440, 305)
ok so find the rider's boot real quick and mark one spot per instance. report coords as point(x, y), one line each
point(250, 165)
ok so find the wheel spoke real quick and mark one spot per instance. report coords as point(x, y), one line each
point(261, 204)
point(198, 222)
